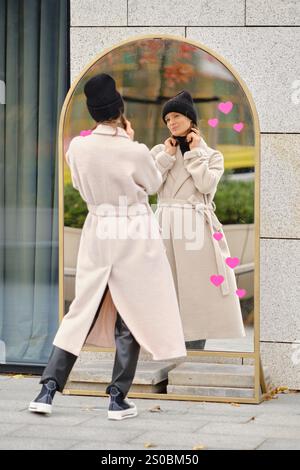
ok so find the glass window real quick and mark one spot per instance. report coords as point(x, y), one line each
point(34, 79)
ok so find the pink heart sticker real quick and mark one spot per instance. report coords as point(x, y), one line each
point(84, 133)
point(225, 107)
point(213, 122)
point(216, 279)
point(238, 126)
point(218, 235)
point(241, 292)
point(232, 262)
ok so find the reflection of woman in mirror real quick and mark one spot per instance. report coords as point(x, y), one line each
point(191, 171)
point(124, 291)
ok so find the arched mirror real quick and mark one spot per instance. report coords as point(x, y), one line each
point(217, 285)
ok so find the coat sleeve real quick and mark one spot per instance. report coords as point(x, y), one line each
point(147, 175)
point(163, 160)
point(206, 166)
point(68, 157)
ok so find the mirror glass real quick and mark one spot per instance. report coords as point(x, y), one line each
point(215, 284)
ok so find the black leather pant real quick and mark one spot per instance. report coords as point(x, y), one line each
point(61, 362)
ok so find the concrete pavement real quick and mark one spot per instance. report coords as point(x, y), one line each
point(79, 422)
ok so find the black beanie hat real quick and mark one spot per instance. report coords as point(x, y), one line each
point(103, 100)
point(181, 103)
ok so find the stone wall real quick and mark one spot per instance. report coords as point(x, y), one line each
point(260, 39)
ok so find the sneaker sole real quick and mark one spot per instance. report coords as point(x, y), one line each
point(119, 415)
point(40, 408)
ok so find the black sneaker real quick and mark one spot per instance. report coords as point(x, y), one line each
point(43, 402)
point(120, 408)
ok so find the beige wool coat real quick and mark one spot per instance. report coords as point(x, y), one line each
point(186, 196)
point(105, 166)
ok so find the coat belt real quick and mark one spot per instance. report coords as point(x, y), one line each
point(211, 218)
point(110, 210)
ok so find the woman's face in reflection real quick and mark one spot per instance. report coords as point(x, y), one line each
point(177, 123)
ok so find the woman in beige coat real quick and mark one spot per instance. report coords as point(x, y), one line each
point(205, 284)
point(124, 292)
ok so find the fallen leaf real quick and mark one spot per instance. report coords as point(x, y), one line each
point(282, 390)
point(272, 394)
point(155, 409)
point(198, 447)
point(149, 444)
point(253, 418)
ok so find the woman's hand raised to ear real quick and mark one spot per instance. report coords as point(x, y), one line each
point(170, 144)
point(193, 138)
point(129, 129)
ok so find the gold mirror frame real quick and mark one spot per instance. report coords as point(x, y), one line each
point(259, 383)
